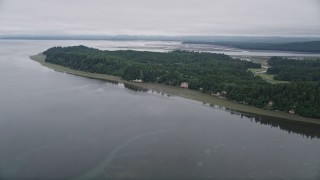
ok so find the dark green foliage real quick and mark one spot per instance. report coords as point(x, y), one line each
point(206, 71)
point(294, 70)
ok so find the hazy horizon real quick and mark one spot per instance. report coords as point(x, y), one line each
point(160, 18)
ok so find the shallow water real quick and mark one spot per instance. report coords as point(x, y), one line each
point(55, 125)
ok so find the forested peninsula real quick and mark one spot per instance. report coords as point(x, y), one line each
point(214, 74)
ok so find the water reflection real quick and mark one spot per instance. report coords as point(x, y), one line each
point(305, 129)
point(142, 89)
point(136, 88)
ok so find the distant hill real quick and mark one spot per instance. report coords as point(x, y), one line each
point(310, 46)
point(201, 39)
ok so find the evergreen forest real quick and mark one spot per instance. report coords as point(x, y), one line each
point(206, 72)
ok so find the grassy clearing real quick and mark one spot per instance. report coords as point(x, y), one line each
point(257, 70)
point(262, 71)
point(270, 78)
point(176, 91)
point(267, 77)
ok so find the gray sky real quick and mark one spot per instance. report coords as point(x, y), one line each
point(160, 17)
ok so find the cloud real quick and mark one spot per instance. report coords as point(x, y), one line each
point(160, 17)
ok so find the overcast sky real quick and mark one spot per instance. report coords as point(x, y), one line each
point(160, 17)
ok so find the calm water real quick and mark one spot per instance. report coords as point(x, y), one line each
point(59, 126)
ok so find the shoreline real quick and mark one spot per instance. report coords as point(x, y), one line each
point(177, 91)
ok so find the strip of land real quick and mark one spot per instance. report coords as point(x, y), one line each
point(177, 91)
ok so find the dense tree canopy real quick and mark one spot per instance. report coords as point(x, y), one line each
point(210, 73)
point(294, 70)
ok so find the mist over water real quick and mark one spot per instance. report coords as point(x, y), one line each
point(55, 125)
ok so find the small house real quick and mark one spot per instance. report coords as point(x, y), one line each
point(184, 85)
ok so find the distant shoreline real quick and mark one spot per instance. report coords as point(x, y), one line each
point(177, 91)
point(298, 47)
